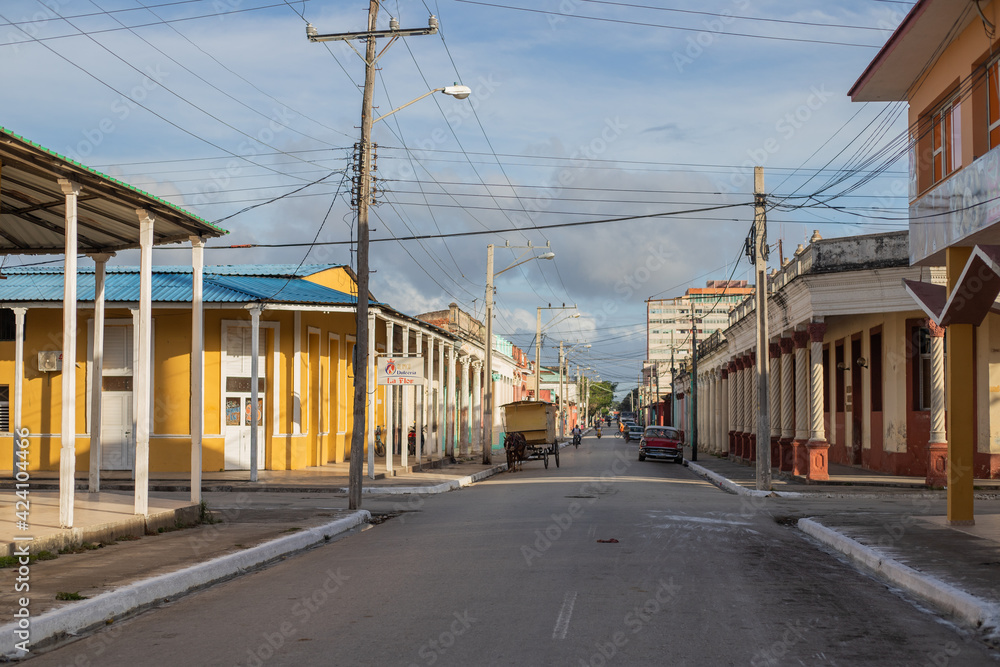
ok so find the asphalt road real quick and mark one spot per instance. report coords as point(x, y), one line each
point(602, 561)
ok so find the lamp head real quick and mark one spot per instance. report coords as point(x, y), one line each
point(458, 92)
point(548, 255)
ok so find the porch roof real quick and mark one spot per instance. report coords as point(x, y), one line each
point(32, 205)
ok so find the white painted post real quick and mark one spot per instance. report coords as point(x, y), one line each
point(389, 403)
point(254, 388)
point(197, 363)
point(452, 403)
point(19, 314)
point(67, 452)
point(144, 417)
point(421, 399)
point(97, 373)
point(442, 414)
point(476, 409)
point(406, 407)
point(371, 401)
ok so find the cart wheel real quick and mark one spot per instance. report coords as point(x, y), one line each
point(545, 457)
point(557, 455)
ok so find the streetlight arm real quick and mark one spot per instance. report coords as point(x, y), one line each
point(548, 255)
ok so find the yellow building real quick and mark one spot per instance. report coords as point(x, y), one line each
point(305, 374)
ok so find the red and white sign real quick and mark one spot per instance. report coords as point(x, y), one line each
point(400, 370)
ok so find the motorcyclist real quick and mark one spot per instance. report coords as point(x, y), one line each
point(577, 433)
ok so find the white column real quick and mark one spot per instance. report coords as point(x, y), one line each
point(67, 452)
point(723, 430)
point(463, 406)
point(476, 411)
point(938, 434)
point(390, 425)
point(19, 314)
point(801, 339)
point(774, 399)
point(254, 382)
point(442, 409)
point(817, 431)
point(297, 371)
point(451, 405)
point(406, 405)
point(144, 417)
point(97, 373)
point(197, 363)
point(787, 390)
point(430, 404)
point(421, 396)
point(371, 401)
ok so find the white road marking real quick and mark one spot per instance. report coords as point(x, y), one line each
point(562, 622)
point(700, 519)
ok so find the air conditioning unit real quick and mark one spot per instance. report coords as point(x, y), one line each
point(50, 361)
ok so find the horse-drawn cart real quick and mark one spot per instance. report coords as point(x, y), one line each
point(531, 432)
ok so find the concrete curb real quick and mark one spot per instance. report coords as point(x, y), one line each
point(973, 611)
point(443, 487)
point(86, 614)
point(728, 485)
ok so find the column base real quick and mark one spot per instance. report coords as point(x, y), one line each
point(785, 456)
point(937, 465)
point(775, 452)
point(752, 445)
point(732, 443)
point(818, 451)
point(800, 461)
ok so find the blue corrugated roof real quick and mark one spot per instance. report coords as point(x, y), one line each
point(222, 284)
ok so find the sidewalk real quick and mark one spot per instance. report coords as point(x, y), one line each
point(118, 563)
point(956, 569)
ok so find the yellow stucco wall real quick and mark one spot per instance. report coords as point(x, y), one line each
point(326, 390)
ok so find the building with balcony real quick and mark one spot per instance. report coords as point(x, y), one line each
point(943, 62)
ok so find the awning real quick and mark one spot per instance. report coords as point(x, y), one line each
point(32, 205)
point(973, 297)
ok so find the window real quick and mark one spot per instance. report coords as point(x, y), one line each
point(7, 325)
point(993, 102)
point(946, 132)
point(4, 408)
point(875, 368)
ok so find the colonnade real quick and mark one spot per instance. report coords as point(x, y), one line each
point(728, 403)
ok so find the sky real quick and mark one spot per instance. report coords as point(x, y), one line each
point(635, 117)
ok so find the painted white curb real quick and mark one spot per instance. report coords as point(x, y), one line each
point(967, 608)
point(79, 616)
point(733, 487)
point(443, 487)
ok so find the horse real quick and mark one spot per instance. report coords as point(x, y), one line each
point(516, 446)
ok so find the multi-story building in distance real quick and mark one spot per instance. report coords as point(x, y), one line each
point(668, 325)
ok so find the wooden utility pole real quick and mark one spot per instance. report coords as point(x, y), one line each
point(760, 253)
point(360, 434)
point(361, 342)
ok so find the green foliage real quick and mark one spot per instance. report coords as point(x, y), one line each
point(62, 595)
point(602, 396)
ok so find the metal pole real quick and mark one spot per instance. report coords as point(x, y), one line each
point(538, 353)
point(562, 397)
point(488, 416)
point(760, 294)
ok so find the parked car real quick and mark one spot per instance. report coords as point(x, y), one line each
point(633, 432)
point(661, 442)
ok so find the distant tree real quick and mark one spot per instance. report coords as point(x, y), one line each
point(631, 401)
point(602, 397)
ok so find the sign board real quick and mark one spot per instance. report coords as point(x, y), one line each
point(400, 370)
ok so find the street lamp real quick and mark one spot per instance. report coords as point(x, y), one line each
point(369, 36)
point(538, 339)
point(562, 399)
point(490, 276)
